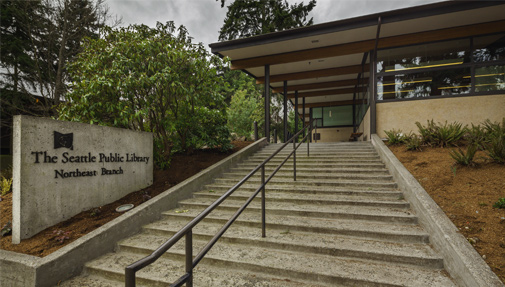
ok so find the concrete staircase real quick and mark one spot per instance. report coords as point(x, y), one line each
point(342, 223)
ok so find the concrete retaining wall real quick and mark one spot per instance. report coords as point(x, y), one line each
point(18, 270)
point(461, 260)
point(63, 168)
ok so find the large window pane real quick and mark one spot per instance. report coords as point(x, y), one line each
point(491, 78)
point(427, 84)
point(337, 116)
point(441, 54)
point(489, 48)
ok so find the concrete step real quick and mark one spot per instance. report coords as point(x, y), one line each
point(165, 271)
point(340, 246)
point(303, 155)
point(381, 212)
point(365, 229)
point(307, 183)
point(373, 165)
point(315, 190)
point(288, 264)
point(316, 175)
point(340, 170)
point(314, 161)
point(304, 205)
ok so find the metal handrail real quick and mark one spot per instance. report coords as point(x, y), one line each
point(186, 231)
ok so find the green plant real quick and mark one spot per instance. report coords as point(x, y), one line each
point(476, 135)
point(6, 229)
point(500, 203)
point(454, 169)
point(94, 212)
point(395, 137)
point(463, 158)
point(5, 185)
point(61, 235)
point(495, 145)
point(427, 132)
point(441, 135)
point(413, 142)
point(449, 134)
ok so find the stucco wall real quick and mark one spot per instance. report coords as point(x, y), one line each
point(334, 134)
point(403, 115)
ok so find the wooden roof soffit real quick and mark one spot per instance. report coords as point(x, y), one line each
point(315, 86)
point(314, 74)
point(323, 93)
point(367, 45)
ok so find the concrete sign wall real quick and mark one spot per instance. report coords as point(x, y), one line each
point(63, 168)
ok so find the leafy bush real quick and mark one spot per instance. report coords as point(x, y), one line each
point(413, 142)
point(463, 158)
point(495, 141)
point(476, 135)
point(441, 135)
point(5, 185)
point(500, 203)
point(427, 132)
point(150, 79)
point(395, 137)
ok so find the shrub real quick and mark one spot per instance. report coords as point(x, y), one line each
point(395, 137)
point(476, 135)
point(427, 132)
point(413, 142)
point(500, 203)
point(463, 158)
point(5, 185)
point(495, 140)
point(449, 134)
point(441, 135)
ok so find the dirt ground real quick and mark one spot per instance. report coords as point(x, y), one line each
point(466, 195)
point(45, 242)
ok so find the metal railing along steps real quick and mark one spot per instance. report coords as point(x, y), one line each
point(343, 222)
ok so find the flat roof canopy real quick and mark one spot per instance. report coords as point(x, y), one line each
point(322, 62)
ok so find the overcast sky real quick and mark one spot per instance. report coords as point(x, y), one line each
point(204, 18)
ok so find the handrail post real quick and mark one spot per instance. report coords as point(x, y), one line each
point(294, 160)
point(275, 135)
point(263, 215)
point(307, 139)
point(189, 257)
point(129, 278)
point(256, 136)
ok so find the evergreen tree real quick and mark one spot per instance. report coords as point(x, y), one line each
point(246, 18)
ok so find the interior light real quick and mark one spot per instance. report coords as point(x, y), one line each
point(454, 87)
point(394, 92)
point(486, 75)
point(330, 114)
point(423, 67)
point(411, 82)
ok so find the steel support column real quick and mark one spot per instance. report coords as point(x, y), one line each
point(267, 102)
point(285, 111)
point(373, 77)
point(303, 117)
point(296, 116)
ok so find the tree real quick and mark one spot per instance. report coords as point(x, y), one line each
point(240, 113)
point(150, 79)
point(39, 38)
point(246, 18)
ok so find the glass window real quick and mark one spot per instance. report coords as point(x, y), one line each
point(491, 78)
point(435, 83)
point(439, 54)
point(337, 116)
point(489, 48)
point(317, 113)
